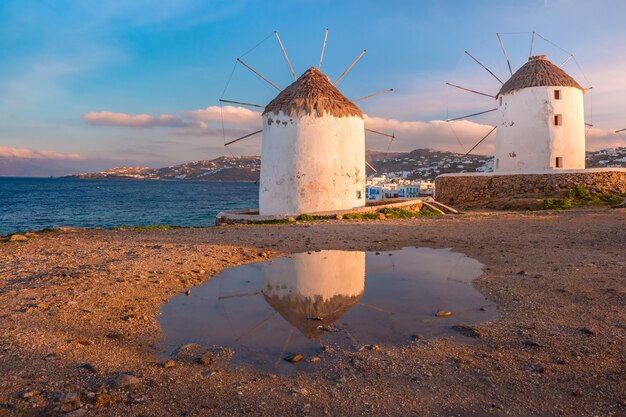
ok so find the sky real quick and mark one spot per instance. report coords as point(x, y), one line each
point(120, 82)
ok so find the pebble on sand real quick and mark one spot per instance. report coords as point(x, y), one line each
point(294, 358)
point(125, 380)
point(443, 313)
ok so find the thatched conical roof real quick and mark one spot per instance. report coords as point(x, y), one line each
point(312, 94)
point(538, 72)
point(309, 314)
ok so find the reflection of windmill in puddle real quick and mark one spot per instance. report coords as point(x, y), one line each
point(311, 291)
point(317, 291)
point(541, 115)
point(313, 150)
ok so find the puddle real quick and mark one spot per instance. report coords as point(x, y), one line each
point(296, 304)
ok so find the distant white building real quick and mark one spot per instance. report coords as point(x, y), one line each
point(313, 150)
point(381, 188)
point(542, 122)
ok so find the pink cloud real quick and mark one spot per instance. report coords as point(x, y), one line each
point(197, 120)
point(7, 152)
point(230, 114)
point(106, 118)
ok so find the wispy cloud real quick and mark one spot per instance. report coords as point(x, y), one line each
point(196, 122)
point(229, 114)
point(107, 118)
point(8, 152)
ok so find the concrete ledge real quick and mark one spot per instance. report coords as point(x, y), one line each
point(252, 215)
point(467, 188)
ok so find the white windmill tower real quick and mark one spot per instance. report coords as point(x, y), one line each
point(542, 120)
point(313, 151)
point(541, 117)
point(313, 145)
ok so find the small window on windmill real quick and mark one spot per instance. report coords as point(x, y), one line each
point(558, 120)
point(559, 162)
point(557, 94)
point(358, 194)
point(500, 100)
point(497, 163)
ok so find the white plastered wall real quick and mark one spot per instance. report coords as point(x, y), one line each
point(311, 164)
point(527, 138)
point(322, 274)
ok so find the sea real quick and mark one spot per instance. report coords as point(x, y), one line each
point(30, 204)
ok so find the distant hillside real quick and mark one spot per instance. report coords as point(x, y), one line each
point(225, 168)
point(417, 164)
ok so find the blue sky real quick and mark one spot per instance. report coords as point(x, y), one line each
point(138, 81)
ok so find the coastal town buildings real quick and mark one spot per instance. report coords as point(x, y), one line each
point(383, 187)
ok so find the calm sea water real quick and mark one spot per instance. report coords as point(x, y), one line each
point(37, 203)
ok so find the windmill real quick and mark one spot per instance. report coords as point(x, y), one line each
point(540, 109)
point(313, 144)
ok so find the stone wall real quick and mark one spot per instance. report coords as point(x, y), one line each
point(471, 188)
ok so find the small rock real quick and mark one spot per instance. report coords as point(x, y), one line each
point(52, 357)
point(588, 331)
point(330, 329)
point(532, 343)
point(313, 359)
point(325, 349)
point(291, 220)
point(103, 400)
point(294, 358)
point(69, 397)
point(125, 380)
point(29, 394)
point(469, 331)
point(169, 364)
point(443, 313)
point(77, 413)
point(206, 359)
point(223, 352)
point(188, 293)
point(381, 216)
point(522, 272)
point(416, 337)
point(209, 374)
point(82, 341)
point(300, 391)
point(17, 238)
point(339, 217)
point(373, 347)
point(541, 368)
point(89, 367)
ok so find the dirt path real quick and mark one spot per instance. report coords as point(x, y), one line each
point(78, 308)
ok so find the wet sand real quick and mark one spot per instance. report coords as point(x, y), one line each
point(79, 331)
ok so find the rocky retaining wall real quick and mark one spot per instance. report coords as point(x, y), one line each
point(471, 188)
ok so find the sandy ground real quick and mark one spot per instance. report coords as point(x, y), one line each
point(78, 329)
